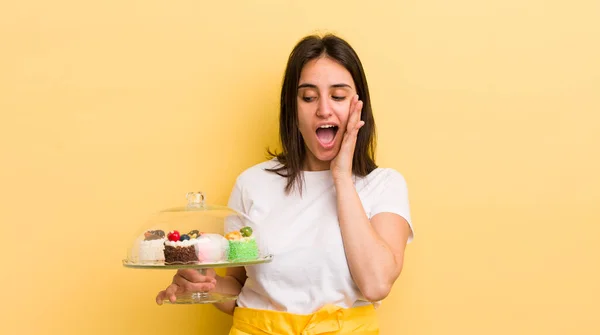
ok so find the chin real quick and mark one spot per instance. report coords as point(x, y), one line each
point(324, 155)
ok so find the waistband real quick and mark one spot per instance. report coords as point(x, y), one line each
point(328, 320)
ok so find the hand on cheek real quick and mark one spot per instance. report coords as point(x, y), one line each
point(341, 165)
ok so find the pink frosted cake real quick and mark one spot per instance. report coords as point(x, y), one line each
point(211, 248)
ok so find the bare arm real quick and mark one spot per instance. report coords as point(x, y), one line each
point(374, 249)
point(231, 283)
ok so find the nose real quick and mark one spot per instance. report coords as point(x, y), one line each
point(324, 110)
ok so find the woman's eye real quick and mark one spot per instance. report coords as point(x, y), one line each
point(338, 98)
point(308, 99)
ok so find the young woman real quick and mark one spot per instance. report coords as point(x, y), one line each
point(336, 224)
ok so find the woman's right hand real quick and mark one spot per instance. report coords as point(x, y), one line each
point(188, 280)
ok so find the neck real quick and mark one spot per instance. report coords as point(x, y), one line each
point(311, 163)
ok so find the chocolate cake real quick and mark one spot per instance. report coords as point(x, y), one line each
point(180, 254)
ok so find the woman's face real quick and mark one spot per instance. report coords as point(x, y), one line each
point(325, 90)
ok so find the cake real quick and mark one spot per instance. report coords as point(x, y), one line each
point(152, 247)
point(180, 249)
point(211, 248)
point(195, 247)
point(242, 245)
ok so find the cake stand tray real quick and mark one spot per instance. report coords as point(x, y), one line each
point(203, 265)
point(198, 297)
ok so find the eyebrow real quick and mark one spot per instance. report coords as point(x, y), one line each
point(315, 86)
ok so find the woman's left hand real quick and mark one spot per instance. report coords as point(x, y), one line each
point(341, 165)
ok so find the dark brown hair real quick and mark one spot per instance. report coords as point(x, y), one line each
point(294, 150)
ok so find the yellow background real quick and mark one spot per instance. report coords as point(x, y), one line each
point(111, 110)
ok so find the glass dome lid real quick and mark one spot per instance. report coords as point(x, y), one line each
point(197, 235)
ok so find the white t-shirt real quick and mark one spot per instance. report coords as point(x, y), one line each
point(309, 267)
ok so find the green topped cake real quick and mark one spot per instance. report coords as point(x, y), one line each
point(242, 245)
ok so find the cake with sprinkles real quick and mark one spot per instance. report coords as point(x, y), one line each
point(242, 245)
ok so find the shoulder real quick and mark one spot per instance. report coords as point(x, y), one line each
point(253, 182)
point(257, 174)
point(386, 177)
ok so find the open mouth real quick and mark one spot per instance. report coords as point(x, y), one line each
point(326, 134)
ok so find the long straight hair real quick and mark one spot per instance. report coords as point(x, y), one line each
point(293, 153)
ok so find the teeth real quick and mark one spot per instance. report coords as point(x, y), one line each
point(327, 126)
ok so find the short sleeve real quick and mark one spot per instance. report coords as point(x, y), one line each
point(393, 198)
point(236, 202)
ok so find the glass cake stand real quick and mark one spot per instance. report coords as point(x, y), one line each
point(199, 297)
point(183, 227)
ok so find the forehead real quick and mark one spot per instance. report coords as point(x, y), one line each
point(324, 71)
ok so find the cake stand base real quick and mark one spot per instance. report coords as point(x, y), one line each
point(201, 298)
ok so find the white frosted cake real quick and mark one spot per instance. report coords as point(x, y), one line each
point(153, 246)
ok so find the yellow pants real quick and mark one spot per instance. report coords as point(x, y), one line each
point(329, 320)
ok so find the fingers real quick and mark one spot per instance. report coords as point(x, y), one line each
point(359, 123)
point(189, 275)
point(160, 297)
point(205, 285)
point(352, 115)
point(169, 293)
point(196, 277)
point(187, 280)
point(359, 106)
point(354, 121)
